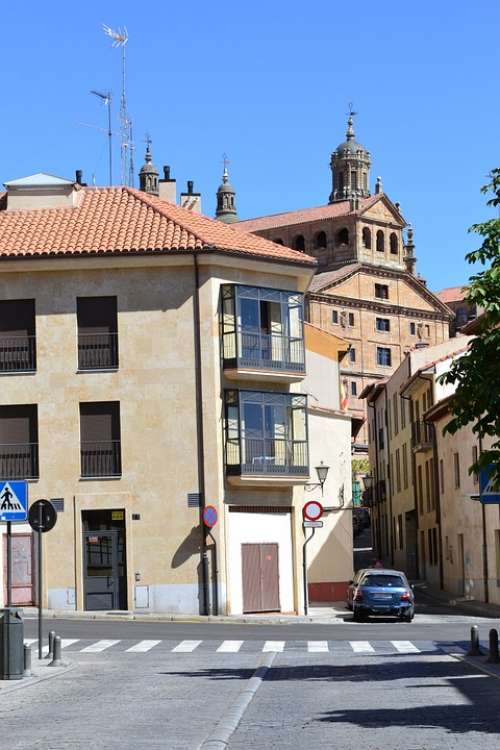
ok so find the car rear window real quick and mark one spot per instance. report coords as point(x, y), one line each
point(383, 580)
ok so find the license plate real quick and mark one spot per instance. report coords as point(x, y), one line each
point(382, 596)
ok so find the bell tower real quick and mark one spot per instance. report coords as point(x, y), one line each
point(350, 165)
point(226, 199)
point(148, 175)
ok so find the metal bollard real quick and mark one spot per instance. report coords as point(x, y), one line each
point(50, 653)
point(56, 659)
point(474, 649)
point(493, 649)
point(27, 661)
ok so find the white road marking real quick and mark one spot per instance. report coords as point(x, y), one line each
point(405, 647)
point(142, 646)
point(230, 647)
point(317, 647)
point(274, 646)
point(65, 642)
point(30, 641)
point(361, 647)
point(186, 646)
point(99, 646)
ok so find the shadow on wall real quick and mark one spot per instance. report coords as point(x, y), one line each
point(190, 546)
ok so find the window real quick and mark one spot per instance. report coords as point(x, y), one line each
point(320, 241)
point(405, 467)
point(427, 330)
point(100, 439)
point(381, 438)
point(354, 388)
point(352, 354)
point(380, 241)
point(427, 487)
point(390, 470)
point(367, 238)
point(456, 464)
point(393, 242)
point(420, 490)
point(398, 471)
point(335, 316)
point(400, 530)
point(299, 243)
point(475, 477)
point(17, 336)
point(383, 324)
point(430, 546)
point(351, 319)
point(19, 442)
point(381, 291)
point(432, 491)
point(342, 237)
point(436, 546)
point(441, 475)
point(395, 413)
point(403, 413)
point(97, 333)
point(383, 356)
point(413, 329)
point(497, 554)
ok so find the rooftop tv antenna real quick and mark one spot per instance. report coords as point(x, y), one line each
point(119, 39)
point(106, 100)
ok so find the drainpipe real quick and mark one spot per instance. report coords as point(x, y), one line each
point(205, 573)
point(485, 542)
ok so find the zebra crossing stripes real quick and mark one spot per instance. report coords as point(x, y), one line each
point(142, 647)
point(361, 647)
point(186, 646)
point(405, 647)
point(230, 647)
point(317, 647)
point(277, 646)
point(99, 646)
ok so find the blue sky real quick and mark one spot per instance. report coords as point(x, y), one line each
point(269, 83)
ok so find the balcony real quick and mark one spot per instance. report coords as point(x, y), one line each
point(262, 334)
point(19, 461)
point(422, 436)
point(97, 351)
point(17, 354)
point(266, 439)
point(101, 459)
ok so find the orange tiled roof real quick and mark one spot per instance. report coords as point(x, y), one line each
point(302, 216)
point(125, 220)
point(452, 294)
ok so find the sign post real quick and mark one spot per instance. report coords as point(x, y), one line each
point(13, 507)
point(42, 517)
point(311, 513)
point(486, 492)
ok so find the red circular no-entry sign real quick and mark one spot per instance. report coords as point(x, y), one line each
point(210, 516)
point(313, 510)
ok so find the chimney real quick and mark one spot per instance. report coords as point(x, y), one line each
point(40, 190)
point(167, 187)
point(78, 176)
point(190, 199)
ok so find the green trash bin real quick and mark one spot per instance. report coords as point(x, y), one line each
point(11, 644)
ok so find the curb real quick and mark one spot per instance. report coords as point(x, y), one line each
point(27, 682)
point(470, 606)
point(220, 736)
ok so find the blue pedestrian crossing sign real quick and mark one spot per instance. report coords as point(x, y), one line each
point(13, 501)
point(487, 493)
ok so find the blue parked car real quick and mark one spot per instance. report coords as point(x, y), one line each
point(383, 592)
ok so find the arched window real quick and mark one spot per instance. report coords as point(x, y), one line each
point(320, 240)
point(278, 241)
point(299, 243)
point(340, 183)
point(380, 241)
point(393, 239)
point(367, 238)
point(342, 237)
point(354, 180)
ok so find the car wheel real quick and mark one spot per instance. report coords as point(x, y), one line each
point(407, 618)
point(358, 616)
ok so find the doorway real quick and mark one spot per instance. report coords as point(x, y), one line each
point(104, 560)
point(260, 572)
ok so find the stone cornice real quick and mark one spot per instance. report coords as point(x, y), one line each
point(379, 307)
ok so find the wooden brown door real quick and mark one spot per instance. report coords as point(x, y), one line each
point(22, 569)
point(260, 573)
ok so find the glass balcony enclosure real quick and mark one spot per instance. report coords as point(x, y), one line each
point(266, 434)
point(262, 330)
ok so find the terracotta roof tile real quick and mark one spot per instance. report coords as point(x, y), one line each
point(452, 294)
point(125, 220)
point(323, 280)
point(302, 216)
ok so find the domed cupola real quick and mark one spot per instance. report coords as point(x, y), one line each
point(226, 199)
point(350, 165)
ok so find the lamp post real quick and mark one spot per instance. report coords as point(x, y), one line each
point(322, 472)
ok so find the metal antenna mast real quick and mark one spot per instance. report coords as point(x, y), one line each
point(120, 39)
point(106, 100)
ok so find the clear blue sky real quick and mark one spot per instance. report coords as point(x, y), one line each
point(269, 83)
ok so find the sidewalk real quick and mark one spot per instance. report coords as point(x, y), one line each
point(469, 606)
point(320, 614)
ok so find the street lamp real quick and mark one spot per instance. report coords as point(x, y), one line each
point(322, 472)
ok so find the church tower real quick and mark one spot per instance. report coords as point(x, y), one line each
point(226, 199)
point(350, 165)
point(148, 175)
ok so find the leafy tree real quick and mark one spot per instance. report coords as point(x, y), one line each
point(477, 375)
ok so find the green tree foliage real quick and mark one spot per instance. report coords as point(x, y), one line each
point(477, 375)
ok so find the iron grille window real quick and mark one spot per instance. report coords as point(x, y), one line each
point(17, 336)
point(262, 329)
point(97, 333)
point(266, 433)
point(100, 448)
point(19, 442)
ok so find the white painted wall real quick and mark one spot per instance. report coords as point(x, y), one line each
point(259, 528)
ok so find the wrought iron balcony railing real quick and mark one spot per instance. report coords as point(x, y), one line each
point(422, 435)
point(263, 351)
point(97, 351)
point(271, 456)
point(101, 459)
point(19, 461)
point(18, 354)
